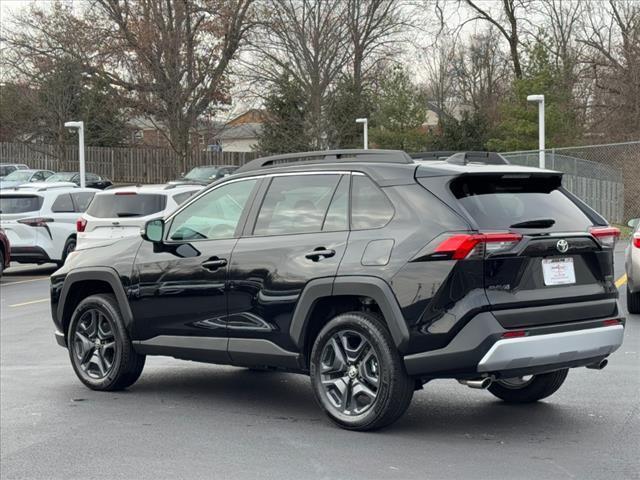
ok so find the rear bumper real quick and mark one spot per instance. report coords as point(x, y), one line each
point(479, 349)
point(29, 255)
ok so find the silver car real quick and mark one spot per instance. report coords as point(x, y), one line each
point(632, 264)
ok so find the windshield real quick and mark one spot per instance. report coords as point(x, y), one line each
point(121, 205)
point(202, 173)
point(18, 176)
point(61, 177)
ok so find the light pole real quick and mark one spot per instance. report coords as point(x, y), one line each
point(80, 127)
point(539, 99)
point(365, 121)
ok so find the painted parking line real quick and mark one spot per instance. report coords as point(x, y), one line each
point(621, 281)
point(24, 281)
point(32, 302)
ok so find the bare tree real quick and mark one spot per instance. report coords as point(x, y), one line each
point(373, 27)
point(306, 41)
point(507, 24)
point(611, 31)
point(170, 57)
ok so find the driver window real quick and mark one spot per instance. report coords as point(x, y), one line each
point(213, 216)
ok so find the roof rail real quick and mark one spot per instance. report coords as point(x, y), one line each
point(322, 156)
point(488, 158)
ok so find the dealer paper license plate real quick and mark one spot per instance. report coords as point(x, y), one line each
point(558, 271)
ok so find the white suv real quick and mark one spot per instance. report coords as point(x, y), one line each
point(40, 220)
point(122, 211)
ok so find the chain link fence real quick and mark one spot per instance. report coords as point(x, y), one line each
point(606, 177)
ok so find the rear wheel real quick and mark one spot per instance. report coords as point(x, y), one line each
point(69, 246)
point(530, 388)
point(357, 374)
point(99, 347)
point(633, 301)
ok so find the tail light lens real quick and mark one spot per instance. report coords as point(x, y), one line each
point(81, 224)
point(36, 221)
point(464, 246)
point(636, 240)
point(607, 236)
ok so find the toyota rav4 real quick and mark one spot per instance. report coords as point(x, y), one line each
point(370, 271)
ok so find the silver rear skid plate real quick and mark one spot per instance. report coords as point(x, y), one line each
point(536, 350)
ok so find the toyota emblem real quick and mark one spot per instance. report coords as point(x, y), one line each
point(562, 246)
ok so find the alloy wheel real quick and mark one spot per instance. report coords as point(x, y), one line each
point(349, 373)
point(94, 344)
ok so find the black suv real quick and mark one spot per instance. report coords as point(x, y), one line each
point(369, 270)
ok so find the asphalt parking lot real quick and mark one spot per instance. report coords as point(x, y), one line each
point(189, 420)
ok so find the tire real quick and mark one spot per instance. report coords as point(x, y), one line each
point(370, 372)
point(1, 263)
point(538, 387)
point(69, 246)
point(633, 301)
point(114, 365)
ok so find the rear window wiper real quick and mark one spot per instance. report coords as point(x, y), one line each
point(540, 223)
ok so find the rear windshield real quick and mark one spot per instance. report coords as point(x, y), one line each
point(20, 203)
point(126, 205)
point(502, 202)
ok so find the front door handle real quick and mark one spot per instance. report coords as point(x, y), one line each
point(214, 264)
point(320, 253)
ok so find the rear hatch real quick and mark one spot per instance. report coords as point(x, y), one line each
point(545, 259)
point(19, 217)
point(119, 214)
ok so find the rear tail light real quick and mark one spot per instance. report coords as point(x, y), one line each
point(464, 246)
point(514, 334)
point(81, 224)
point(607, 236)
point(36, 221)
point(636, 240)
point(612, 323)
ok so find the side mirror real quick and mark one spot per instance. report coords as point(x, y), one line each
point(153, 231)
point(633, 222)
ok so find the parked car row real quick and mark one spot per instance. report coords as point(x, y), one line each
point(45, 215)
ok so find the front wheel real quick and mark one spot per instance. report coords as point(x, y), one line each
point(530, 388)
point(100, 350)
point(357, 374)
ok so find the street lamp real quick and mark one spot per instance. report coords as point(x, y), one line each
point(539, 99)
point(80, 127)
point(365, 121)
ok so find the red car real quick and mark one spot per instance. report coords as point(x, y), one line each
point(5, 252)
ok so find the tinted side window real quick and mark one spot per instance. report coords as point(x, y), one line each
point(338, 214)
point(20, 203)
point(82, 200)
point(370, 208)
point(63, 204)
point(92, 177)
point(38, 177)
point(214, 215)
point(295, 204)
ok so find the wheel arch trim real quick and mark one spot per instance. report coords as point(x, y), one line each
point(365, 286)
point(102, 274)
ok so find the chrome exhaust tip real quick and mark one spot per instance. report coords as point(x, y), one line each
point(480, 383)
point(599, 365)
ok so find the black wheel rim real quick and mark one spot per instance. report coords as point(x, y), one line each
point(349, 373)
point(94, 344)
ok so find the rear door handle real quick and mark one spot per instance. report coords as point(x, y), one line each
point(319, 253)
point(214, 264)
